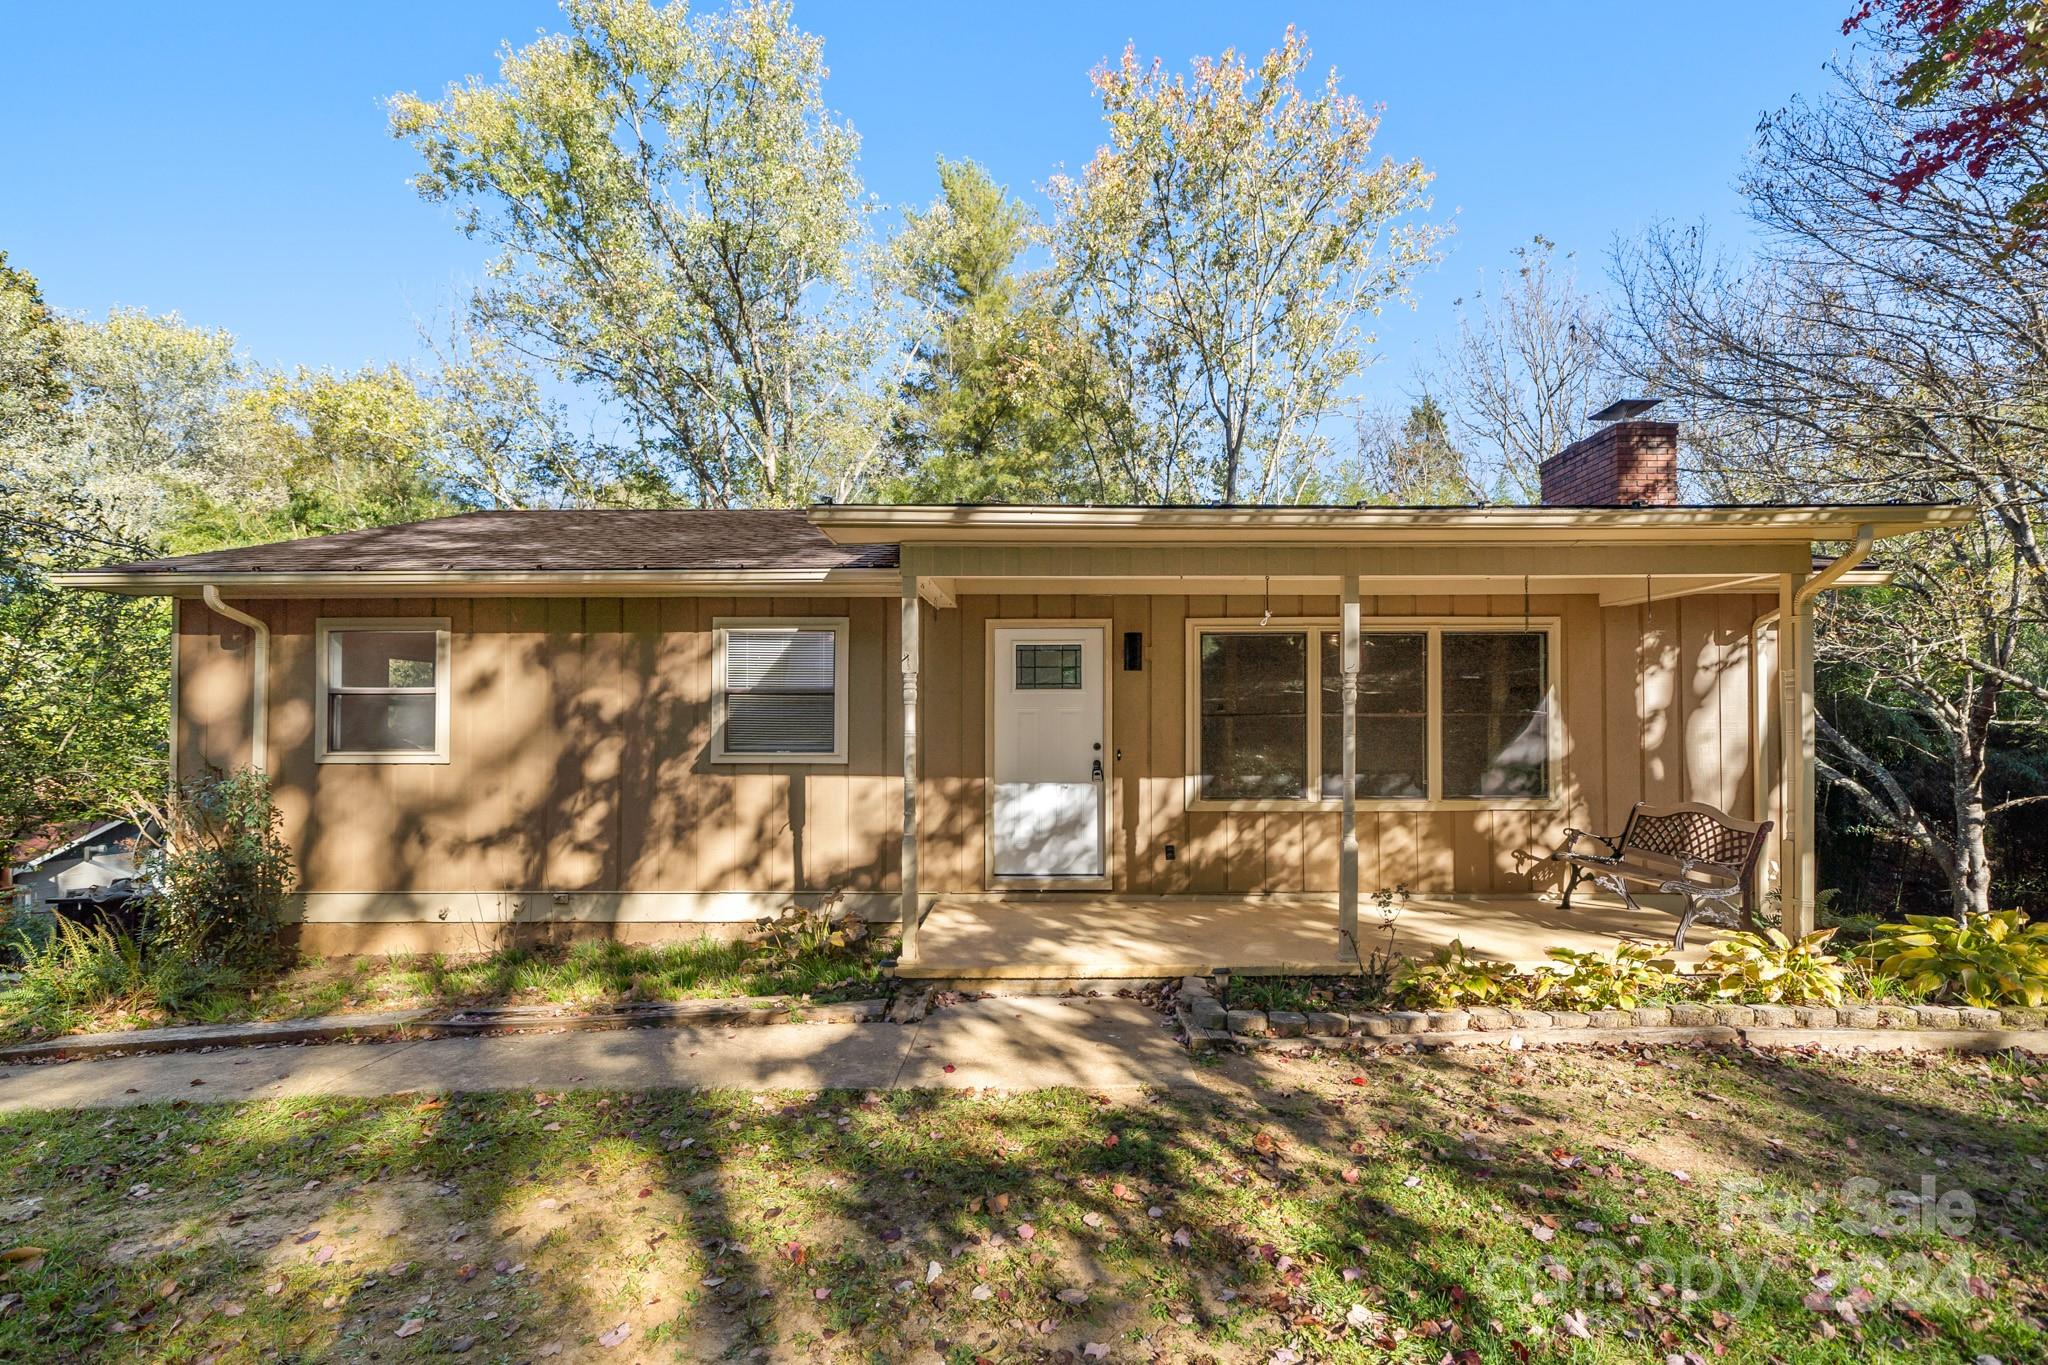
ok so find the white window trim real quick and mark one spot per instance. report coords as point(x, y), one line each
point(1434, 628)
point(443, 688)
point(837, 625)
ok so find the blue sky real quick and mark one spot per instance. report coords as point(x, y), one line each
point(231, 162)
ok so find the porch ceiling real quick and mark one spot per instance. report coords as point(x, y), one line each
point(1060, 937)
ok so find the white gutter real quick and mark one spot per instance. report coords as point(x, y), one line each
point(259, 675)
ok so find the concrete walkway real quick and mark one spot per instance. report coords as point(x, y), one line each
point(1018, 1043)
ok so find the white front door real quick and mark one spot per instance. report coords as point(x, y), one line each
point(1046, 814)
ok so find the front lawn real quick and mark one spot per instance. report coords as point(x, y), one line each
point(113, 994)
point(1622, 1204)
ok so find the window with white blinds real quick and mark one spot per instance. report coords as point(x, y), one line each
point(782, 691)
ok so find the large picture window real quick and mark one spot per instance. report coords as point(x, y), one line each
point(1456, 713)
point(781, 691)
point(383, 690)
point(1254, 716)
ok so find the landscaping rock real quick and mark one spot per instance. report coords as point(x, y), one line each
point(1327, 1024)
point(1938, 1016)
point(1897, 1016)
point(2024, 1018)
point(1372, 1026)
point(1568, 1019)
point(1205, 1012)
point(1194, 987)
point(1733, 1016)
point(1775, 1016)
point(1818, 1016)
point(1860, 1016)
point(1250, 1023)
point(1650, 1016)
point(1979, 1018)
point(1693, 1016)
point(1286, 1023)
point(1610, 1019)
point(1407, 1021)
point(910, 1005)
point(1449, 1021)
point(1487, 1019)
point(1531, 1018)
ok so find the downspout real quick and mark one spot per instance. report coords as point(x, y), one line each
point(1847, 560)
point(259, 675)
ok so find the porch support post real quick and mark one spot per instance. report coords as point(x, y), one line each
point(1796, 869)
point(911, 840)
point(1347, 855)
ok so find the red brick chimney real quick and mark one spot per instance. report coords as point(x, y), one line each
point(1624, 463)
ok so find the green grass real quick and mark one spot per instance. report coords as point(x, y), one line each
point(1486, 1207)
point(583, 974)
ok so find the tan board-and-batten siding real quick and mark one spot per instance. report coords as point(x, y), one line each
point(578, 787)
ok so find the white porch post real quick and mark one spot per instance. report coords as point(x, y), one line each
point(1797, 871)
point(1347, 856)
point(910, 830)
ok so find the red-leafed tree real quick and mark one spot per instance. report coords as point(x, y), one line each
point(1980, 68)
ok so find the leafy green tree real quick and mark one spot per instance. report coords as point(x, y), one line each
point(338, 452)
point(1223, 255)
point(82, 680)
point(979, 423)
point(681, 220)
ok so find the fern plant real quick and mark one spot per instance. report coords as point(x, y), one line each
point(1986, 959)
point(1773, 969)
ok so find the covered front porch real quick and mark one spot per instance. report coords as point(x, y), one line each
point(1083, 937)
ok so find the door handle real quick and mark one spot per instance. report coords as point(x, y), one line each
point(1096, 776)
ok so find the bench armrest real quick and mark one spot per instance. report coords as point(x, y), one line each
point(1573, 835)
point(1688, 866)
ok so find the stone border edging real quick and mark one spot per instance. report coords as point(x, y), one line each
point(739, 1012)
point(1924, 1027)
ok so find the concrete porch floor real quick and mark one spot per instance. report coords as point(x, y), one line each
point(1055, 936)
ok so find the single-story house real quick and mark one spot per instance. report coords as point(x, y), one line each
point(1050, 741)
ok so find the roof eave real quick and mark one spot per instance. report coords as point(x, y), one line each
point(839, 582)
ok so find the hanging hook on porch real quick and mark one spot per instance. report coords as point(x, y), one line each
point(1267, 619)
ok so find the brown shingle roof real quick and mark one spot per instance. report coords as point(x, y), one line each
point(579, 541)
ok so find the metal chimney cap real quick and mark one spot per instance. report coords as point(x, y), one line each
point(1621, 409)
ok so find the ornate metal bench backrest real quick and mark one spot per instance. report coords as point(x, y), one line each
point(1691, 832)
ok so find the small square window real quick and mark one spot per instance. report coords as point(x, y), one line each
point(1048, 667)
point(384, 690)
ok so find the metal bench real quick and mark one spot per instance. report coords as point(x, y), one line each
point(1694, 851)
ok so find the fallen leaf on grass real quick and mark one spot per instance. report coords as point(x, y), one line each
point(25, 1259)
point(1095, 1350)
point(1350, 1175)
point(615, 1336)
point(1025, 1232)
point(982, 1293)
point(1075, 1297)
point(411, 1327)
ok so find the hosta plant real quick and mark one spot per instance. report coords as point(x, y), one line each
point(1452, 978)
point(1621, 978)
point(1986, 959)
point(1773, 969)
